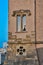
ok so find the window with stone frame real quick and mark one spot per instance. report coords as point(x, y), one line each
point(21, 23)
point(21, 19)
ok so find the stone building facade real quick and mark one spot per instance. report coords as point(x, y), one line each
point(30, 19)
point(25, 30)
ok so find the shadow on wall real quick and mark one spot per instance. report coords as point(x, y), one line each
point(40, 54)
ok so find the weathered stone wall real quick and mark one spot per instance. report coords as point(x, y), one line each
point(39, 20)
point(30, 30)
point(21, 5)
point(29, 4)
point(29, 55)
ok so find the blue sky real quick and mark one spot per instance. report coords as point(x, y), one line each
point(3, 22)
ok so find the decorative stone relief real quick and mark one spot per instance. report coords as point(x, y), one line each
point(20, 50)
point(21, 11)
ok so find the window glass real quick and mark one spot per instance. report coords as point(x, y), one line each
point(18, 23)
point(24, 22)
point(21, 23)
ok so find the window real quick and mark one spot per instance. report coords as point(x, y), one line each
point(24, 22)
point(21, 23)
point(18, 23)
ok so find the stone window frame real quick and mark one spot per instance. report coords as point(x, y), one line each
point(21, 13)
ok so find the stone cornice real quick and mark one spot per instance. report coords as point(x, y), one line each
point(21, 11)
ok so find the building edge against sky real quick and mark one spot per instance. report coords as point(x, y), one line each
point(4, 18)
